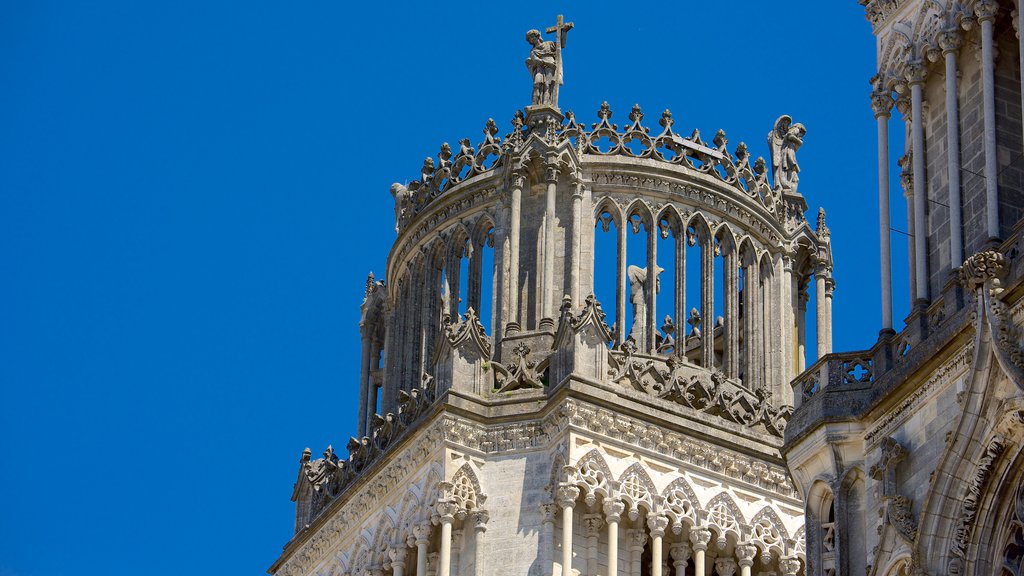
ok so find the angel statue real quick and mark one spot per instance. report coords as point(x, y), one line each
point(545, 63)
point(784, 140)
point(639, 287)
point(403, 205)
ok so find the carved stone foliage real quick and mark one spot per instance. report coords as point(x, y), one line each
point(972, 500)
point(679, 382)
point(327, 477)
point(981, 274)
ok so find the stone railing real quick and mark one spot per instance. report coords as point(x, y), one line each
point(834, 369)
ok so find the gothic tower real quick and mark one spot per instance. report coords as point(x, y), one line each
point(509, 424)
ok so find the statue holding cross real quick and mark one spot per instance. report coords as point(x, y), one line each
point(545, 63)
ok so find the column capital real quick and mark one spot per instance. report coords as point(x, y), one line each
point(480, 519)
point(725, 567)
point(949, 40)
point(882, 103)
point(746, 553)
point(657, 525)
point(397, 556)
point(421, 533)
point(613, 510)
point(518, 179)
point(567, 496)
point(986, 10)
point(790, 565)
point(903, 105)
point(700, 537)
point(551, 171)
point(547, 510)
point(637, 538)
point(916, 72)
point(446, 512)
point(680, 553)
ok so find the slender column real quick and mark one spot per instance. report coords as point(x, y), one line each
point(801, 327)
point(620, 291)
point(916, 76)
point(732, 314)
point(371, 406)
point(397, 556)
point(547, 537)
point(476, 265)
point(757, 364)
point(657, 525)
point(820, 316)
point(577, 208)
point(480, 519)
point(444, 559)
point(592, 524)
point(745, 553)
point(786, 329)
point(364, 384)
point(725, 566)
point(830, 286)
point(907, 183)
point(881, 104)
point(548, 295)
point(986, 11)
point(699, 538)
point(518, 181)
point(747, 360)
point(567, 496)
point(637, 541)
point(680, 557)
point(652, 286)
point(949, 41)
point(707, 301)
point(613, 513)
point(422, 536)
point(680, 299)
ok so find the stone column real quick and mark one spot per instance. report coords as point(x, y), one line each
point(518, 181)
point(457, 545)
point(725, 567)
point(732, 313)
point(680, 300)
point(881, 104)
point(547, 537)
point(476, 265)
point(620, 291)
point(577, 232)
point(421, 537)
point(652, 286)
point(657, 525)
point(364, 384)
point(707, 301)
point(746, 554)
point(915, 76)
point(986, 11)
point(821, 312)
point(480, 519)
point(949, 42)
point(567, 496)
point(699, 538)
point(680, 558)
point(397, 556)
point(548, 291)
point(789, 566)
point(613, 513)
point(447, 516)
point(801, 327)
point(637, 541)
point(592, 524)
point(907, 183)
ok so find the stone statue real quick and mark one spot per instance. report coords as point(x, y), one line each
point(784, 140)
point(545, 63)
point(638, 291)
point(403, 205)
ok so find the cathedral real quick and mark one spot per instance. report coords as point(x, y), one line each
point(511, 422)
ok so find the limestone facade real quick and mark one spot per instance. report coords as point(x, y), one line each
point(910, 455)
point(510, 424)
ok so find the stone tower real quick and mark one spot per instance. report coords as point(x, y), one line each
point(509, 424)
point(910, 454)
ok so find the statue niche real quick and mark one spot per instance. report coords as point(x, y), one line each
point(639, 293)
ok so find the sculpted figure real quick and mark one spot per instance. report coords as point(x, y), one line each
point(784, 140)
point(639, 285)
point(543, 67)
point(403, 204)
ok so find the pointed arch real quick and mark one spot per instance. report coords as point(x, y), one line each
point(680, 502)
point(769, 532)
point(725, 515)
point(466, 488)
point(593, 474)
point(701, 226)
point(637, 488)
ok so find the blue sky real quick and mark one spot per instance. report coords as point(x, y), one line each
point(192, 193)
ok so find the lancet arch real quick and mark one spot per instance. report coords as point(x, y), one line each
point(768, 531)
point(636, 488)
point(680, 503)
point(465, 488)
point(725, 516)
point(593, 474)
